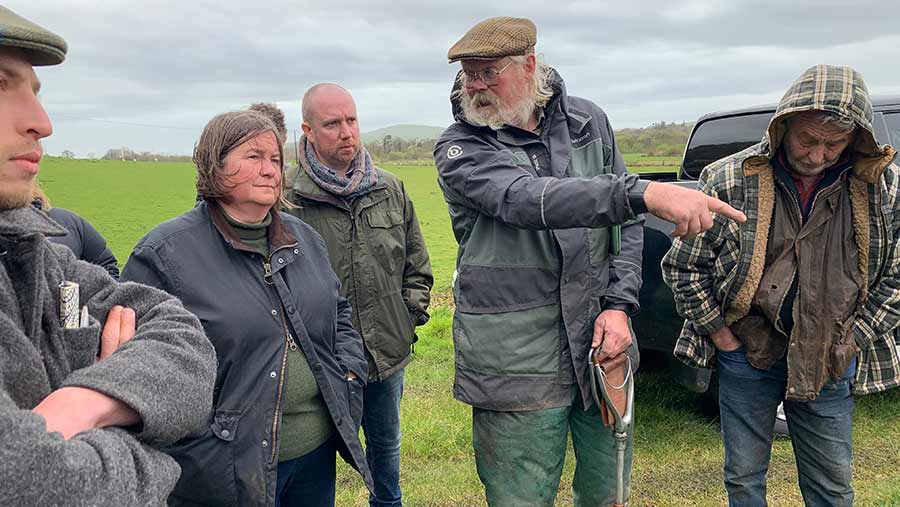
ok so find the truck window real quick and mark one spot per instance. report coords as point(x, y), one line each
point(893, 123)
point(719, 137)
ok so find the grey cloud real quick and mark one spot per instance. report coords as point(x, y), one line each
point(175, 64)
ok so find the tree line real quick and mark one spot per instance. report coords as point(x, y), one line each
point(659, 140)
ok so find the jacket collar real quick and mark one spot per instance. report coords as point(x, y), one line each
point(305, 187)
point(25, 221)
point(279, 236)
point(577, 120)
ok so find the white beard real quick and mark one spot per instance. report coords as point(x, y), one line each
point(496, 114)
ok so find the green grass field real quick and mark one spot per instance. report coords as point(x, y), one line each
point(678, 452)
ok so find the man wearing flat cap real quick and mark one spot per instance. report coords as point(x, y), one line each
point(549, 265)
point(84, 402)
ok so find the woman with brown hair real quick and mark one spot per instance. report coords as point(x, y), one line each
point(291, 369)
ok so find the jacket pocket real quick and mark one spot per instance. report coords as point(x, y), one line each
point(82, 344)
point(387, 238)
point(843, 350)
point(207, 464)
point(395, 327)
point(488, 289)
point(764, 344)
point(413, 322)
point(514, 343)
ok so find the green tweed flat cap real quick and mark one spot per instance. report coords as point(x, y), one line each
point(495, 38)
point(41, 47)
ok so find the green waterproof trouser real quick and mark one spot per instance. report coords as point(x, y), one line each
point(520, 455)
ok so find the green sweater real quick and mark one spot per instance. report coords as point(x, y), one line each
point(305, 422)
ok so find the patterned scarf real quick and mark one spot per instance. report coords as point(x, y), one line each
point(359, 180)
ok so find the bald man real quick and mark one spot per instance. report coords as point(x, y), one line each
point(377, 250)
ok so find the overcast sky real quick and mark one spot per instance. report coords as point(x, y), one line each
point(148, 75)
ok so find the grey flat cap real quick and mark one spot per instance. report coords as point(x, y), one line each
point(41, 46)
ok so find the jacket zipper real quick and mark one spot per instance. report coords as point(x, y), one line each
point(292, 345)
point(797, 211)
point(353, 233)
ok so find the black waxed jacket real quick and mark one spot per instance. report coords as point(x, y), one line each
point(81, 238)
point(198, 258)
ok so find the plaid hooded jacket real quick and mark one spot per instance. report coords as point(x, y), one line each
point(715, 275)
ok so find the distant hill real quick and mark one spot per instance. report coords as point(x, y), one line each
point(405, 132)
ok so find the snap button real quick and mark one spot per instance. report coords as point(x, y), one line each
point(296, 251)
point(273, 374)
point(291, 309)
point(265, 443)
point(280, 260)
point(274, 312)
point(225, 433)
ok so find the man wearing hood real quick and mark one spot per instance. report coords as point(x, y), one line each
point(84, 403)
point(549, 263)
point(377, 250)
point(800, 302)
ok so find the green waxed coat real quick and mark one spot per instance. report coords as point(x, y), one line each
point(540, 254)
point(378, 252)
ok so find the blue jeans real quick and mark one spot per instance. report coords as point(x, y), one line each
point(821, 432)
point(381, 426)
point(308, 481)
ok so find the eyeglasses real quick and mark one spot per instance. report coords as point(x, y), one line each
point(488, 76)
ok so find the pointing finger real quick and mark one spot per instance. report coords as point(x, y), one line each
point(725, 210)
point(706, 221)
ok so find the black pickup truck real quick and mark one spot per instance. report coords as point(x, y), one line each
point(714, 136)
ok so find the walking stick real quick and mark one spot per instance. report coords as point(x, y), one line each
point(605, 396)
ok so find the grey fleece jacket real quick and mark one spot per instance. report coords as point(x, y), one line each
point(165, 373)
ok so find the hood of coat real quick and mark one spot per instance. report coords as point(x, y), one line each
point(840, 90)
